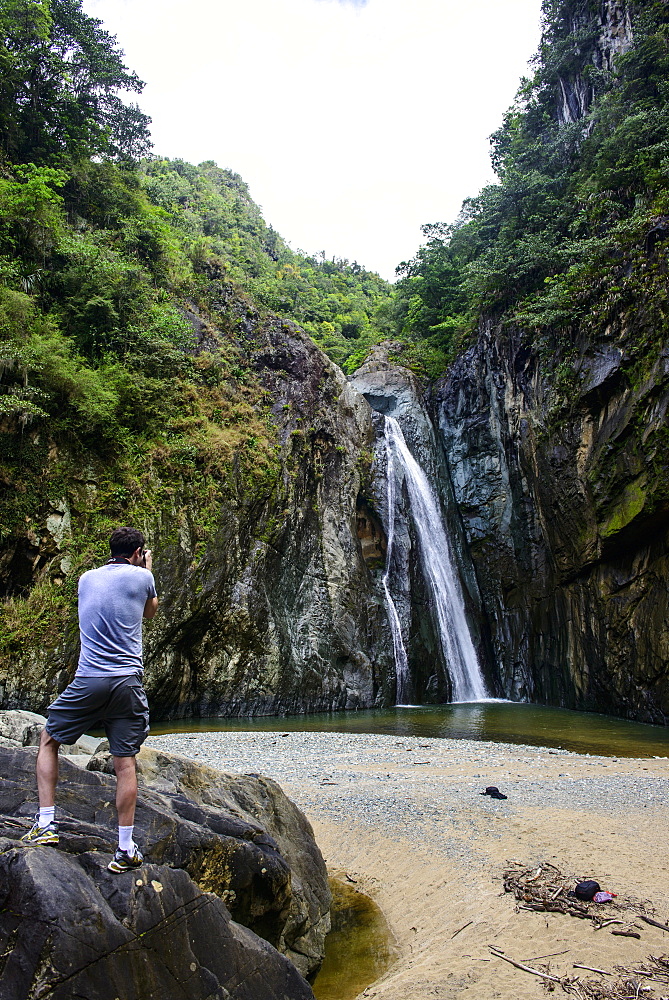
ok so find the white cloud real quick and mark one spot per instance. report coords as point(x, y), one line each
point(353, 122)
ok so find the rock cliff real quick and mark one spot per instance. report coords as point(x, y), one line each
point(576, 91)
point(559, 473)
point(267, 604)
point(278, 616)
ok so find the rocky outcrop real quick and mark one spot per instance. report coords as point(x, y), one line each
point(613, 36)
point(279, 616)
point(172, 929)
point(558, 465)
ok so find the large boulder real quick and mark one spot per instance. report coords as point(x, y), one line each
point(21, 729)
point(258, 800)
point(171, 929)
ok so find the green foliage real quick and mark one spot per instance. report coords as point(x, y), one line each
point(580, 185)
point(60, 75)
point(30, 211)
point(343, 307)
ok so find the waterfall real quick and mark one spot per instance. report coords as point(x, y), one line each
point(401, 662)
point(437, 564)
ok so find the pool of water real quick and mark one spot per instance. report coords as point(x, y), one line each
point(500, 722)
point(358, 949)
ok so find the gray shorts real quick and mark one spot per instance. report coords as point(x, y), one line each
point(116, 703)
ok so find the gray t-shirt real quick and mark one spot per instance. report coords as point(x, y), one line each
point(111, 606)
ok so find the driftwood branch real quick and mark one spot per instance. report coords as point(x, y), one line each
point(591, 968)
point(519, 965)
point(654, 923)
point(632, 934)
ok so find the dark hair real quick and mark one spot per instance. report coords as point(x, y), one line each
point(125, 541)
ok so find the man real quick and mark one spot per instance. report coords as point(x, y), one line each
point(107, 687)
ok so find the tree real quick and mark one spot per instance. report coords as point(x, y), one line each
point(60, 77)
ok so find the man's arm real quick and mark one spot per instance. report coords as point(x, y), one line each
point(150, 607)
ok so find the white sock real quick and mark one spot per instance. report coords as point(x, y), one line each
point(125, 841)
point(46, 816)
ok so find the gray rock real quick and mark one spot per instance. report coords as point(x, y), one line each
point(24, 728)
point(307, 917)
point(149, 933)
point(90, 745)
point(563, 501)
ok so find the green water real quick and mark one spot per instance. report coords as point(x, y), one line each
point(358, 949)
point(500, 722)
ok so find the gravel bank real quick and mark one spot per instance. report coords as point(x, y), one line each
point(400, 784)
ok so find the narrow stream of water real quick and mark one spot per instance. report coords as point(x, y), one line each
point(500, 722)
point(401, 661)
point(358, 949)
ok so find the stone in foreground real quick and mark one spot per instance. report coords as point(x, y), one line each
point(71, 929)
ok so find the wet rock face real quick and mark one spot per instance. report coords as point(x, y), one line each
point(393, 391)
point(565, 510)
point(576, 92)
point(373, 539)
point(172, 929)
point(283, 619)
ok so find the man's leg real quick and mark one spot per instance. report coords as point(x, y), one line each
point(126, 725)
point(128, 855)
point(45, 830)
point(126, 789)
point(47, 770)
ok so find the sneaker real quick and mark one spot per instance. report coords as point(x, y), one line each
point(41, 834)
point(125, 862)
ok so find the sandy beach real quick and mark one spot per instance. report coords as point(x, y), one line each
point(405, 819)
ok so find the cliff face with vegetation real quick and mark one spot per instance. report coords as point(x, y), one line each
point(272, 611)
point(152, 371)
point(245, 479)
point(150, 375)
point(549, 295)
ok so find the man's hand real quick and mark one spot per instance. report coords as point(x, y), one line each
point(148, 559)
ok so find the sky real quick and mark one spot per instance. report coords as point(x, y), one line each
point(352, 121)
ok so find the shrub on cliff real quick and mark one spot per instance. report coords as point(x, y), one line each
point(581, 160)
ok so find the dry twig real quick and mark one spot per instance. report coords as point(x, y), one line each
point(464, 927)
point(519, 965)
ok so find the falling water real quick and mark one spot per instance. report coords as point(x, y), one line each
point(456, 642)
point(401, 662)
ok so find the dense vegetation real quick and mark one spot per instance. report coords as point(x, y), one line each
point(112, 263)
point(583, 165)
point(342, 306)
point(126, 282)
